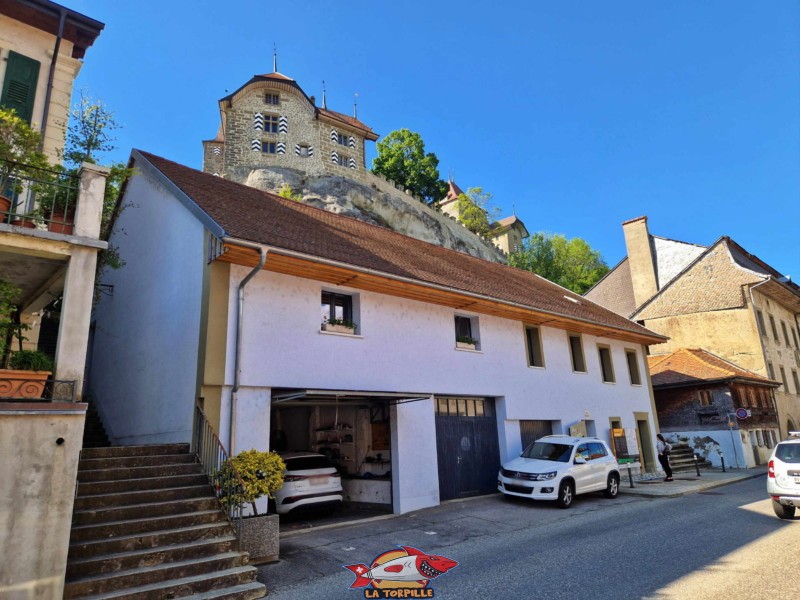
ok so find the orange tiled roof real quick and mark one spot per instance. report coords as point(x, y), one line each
point(347, 120)
point(695, 365)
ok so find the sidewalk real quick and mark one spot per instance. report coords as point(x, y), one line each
point(689, 483)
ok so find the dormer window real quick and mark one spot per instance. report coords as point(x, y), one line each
point(273, 99)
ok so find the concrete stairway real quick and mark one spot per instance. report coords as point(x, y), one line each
point(681, 459)
point(146, 525)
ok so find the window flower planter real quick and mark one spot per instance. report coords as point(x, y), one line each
point(467, 345)
point(338, 328)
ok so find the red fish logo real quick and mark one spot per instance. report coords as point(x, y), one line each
point(405, 568)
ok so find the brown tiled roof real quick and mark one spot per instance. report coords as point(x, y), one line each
point(350, 121)
point(695, 365)
point(453, 192)
point(254, 215)
point(615, 290)
point(278, 76)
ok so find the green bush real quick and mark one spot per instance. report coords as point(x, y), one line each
point(261, 474)
point(31, 360)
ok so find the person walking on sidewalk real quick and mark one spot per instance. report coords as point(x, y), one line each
point(664, 448)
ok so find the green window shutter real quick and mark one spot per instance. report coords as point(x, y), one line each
point(19, 87)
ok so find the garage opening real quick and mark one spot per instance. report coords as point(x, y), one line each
point(532, 430)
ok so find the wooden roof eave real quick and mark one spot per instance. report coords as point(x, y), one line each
point(309, 267)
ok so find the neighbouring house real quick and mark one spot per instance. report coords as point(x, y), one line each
point(273, 136)
point(416, 368)
point(716, 406)
point(720, 298)
point(42, 45)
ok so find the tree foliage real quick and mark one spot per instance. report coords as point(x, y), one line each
point(474, 210)
point(571, 263)
point(19, 150)
point(402, 158)
point(261, 474)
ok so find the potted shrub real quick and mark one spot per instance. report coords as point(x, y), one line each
point(56, 199)
point(467, 343)
point(338, 325)
point(261, 474)
point(19, 156)
point(30, 370)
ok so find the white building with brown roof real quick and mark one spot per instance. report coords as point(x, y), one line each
point(418, 369)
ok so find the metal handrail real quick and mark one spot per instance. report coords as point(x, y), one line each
point(39, 186)
point(226, 481)
point(29, 389)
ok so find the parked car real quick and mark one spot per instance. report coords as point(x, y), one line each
point(311, 481)
point(558, 467)
point(783, 476)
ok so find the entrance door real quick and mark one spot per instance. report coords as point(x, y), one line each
point(467, 447)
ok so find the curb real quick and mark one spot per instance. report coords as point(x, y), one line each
point(701, 487)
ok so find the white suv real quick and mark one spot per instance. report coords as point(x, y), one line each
point(558, 467)
point(783, 480)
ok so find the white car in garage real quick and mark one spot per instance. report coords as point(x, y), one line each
point(558, 467)
point(311, 481)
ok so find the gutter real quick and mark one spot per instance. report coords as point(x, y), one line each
point(62, 17)
point(324, 261)
point(239, 323)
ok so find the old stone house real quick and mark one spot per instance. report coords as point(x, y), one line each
point(720, 298)
point(716, 406)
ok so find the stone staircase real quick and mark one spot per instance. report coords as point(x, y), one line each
point(94, 434)
point(681, 459)
point(147, 526)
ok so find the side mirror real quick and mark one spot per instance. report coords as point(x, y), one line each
point(579, 460)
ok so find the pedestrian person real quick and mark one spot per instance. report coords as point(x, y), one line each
point(664, 448)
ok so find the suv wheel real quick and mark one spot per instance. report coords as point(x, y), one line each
point(566, 493)
point(784, 512)
point(612, 488)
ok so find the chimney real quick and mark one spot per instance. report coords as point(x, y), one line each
point(640, 259)
point(313, 100)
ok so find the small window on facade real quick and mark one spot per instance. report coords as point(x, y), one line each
point(303, 151)
point(794, 337)
point(633, 367)
point(606, 366)
point(270, 124)
point(783, 379)
point(576, 352)
point(796, 382)
point(785, 334)
point(767, 438)
point(466, 331)
point(771, 371)
point(273, 99)
point(762, 329)
point(705, 397)
point(342, 139)
point(268, 147)
point(343, 160)
point(774, 328)
point(337, 308)
point(535, 356)
point(759, 437)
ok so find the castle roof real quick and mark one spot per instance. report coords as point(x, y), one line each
point(453, 192)
point(315, 243)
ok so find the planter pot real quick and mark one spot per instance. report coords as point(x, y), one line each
point(465, 345)
point(337, 328)
point(24, 222)
point(22, 384)
point(260, 538)
point(5, 204)
point(62, 223)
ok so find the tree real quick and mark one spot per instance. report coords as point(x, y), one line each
point(571, 263)
point(402, 158)
point(474, 210)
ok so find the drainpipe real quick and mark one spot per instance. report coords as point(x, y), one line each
point(51, 76)
point(239, 320)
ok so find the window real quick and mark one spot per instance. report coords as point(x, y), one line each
point(268, 147)
point(342, 139)
point(463, 407)
point(759, 437)
point(535, 356)
point(343, 160)
point(19, 86)
point(705, 397)
point(783, 379)
point(796, 382)
point(271, 123)
point(774, 328)
point(596, 450)
point(794, 337)
point(337, 306)
point(785, 335)
point(304, 151)
point(762, 329)
point(273, 99)
point(633, 367)
point(576, 352)
point(606, 366)
point(466, 329)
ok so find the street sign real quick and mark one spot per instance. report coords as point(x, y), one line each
point(742, 413)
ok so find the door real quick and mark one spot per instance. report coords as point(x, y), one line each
point(467, 447)
point(530, 431)
point(584, 476)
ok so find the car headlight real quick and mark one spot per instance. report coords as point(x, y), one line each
point(545, 476)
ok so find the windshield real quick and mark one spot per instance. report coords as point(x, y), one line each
point(788, 453)
point(548, 451)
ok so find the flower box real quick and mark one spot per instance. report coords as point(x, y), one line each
point(466, 345)
point(338, 328)
point(22, 384)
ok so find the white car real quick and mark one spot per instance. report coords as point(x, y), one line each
point(310, 481)
point(783, 476)
point(558, 467)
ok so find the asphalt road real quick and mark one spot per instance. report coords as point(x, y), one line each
point(720, 544)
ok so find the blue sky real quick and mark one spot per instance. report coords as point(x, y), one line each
point(576, 115)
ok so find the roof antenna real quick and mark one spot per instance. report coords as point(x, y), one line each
point(324, 102)
point(274, 57)
point(355, 105)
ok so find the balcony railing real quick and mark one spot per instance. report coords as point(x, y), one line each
point(39, 198)
point(21, 388)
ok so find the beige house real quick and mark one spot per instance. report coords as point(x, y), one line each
point(42, 45)
point(720, 298)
